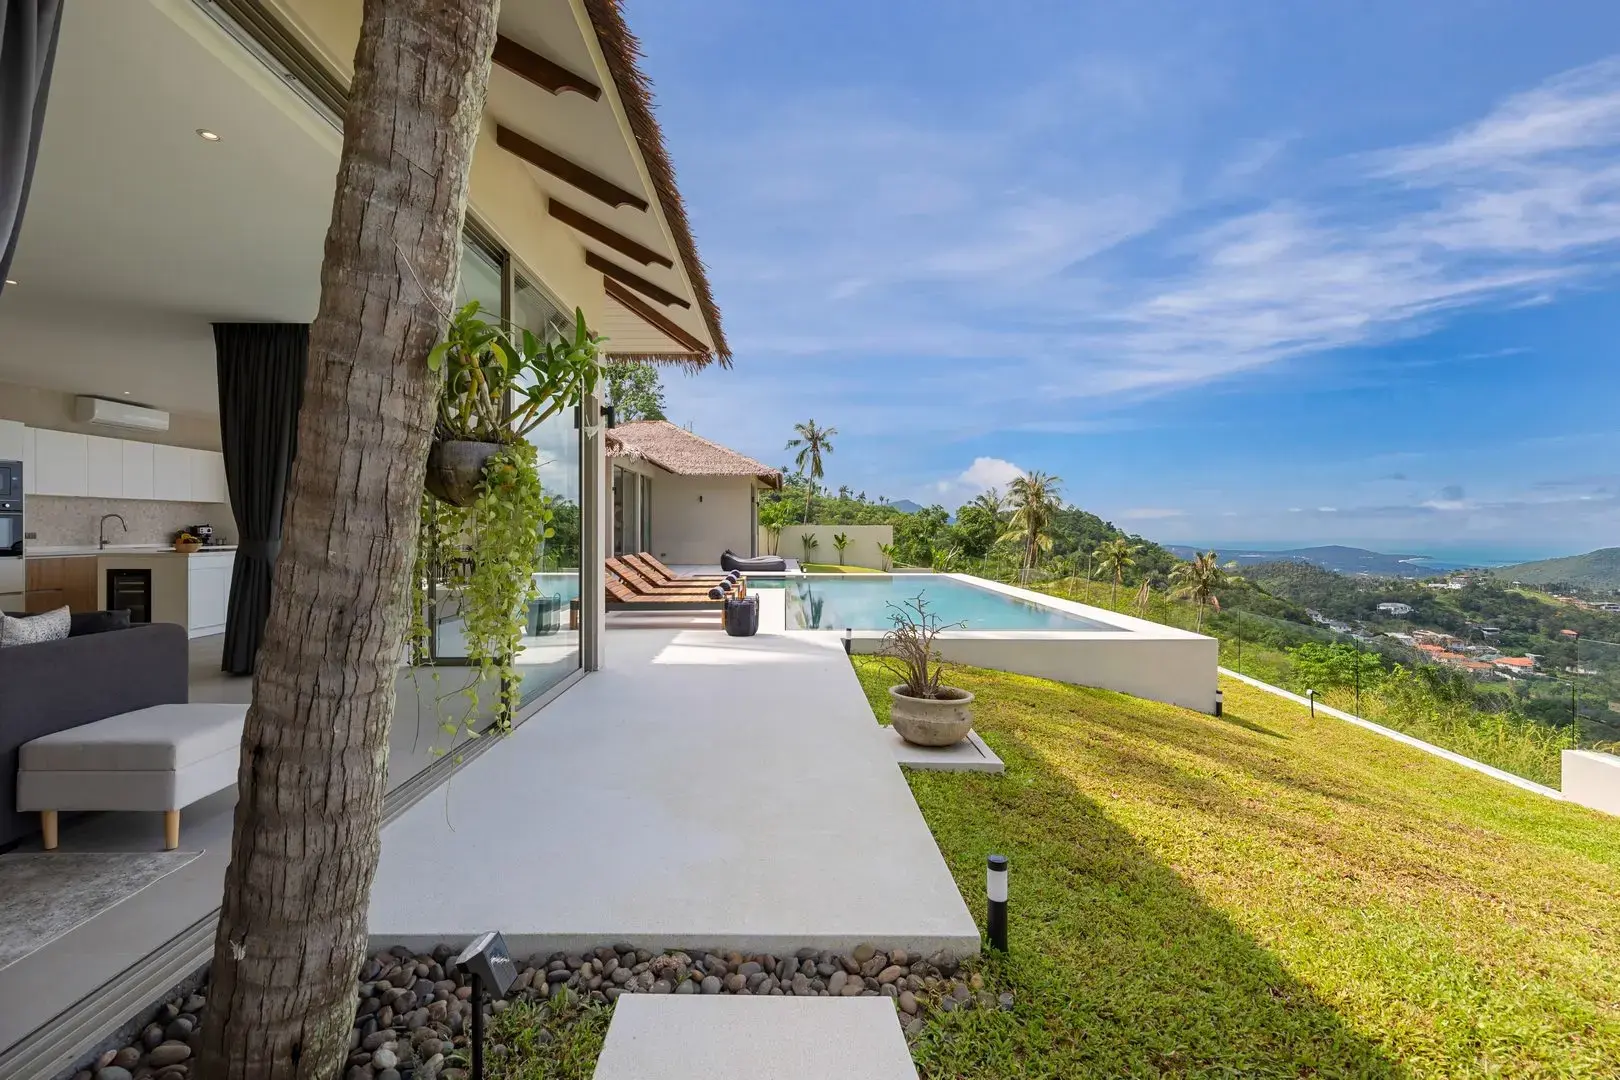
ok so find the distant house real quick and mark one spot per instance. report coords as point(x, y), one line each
point(1516, 664)
point(1390, 607)
point(680, 496)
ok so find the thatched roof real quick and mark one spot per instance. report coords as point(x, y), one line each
point(622, 51)
point(678, 451)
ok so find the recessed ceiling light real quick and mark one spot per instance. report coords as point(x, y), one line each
point(126, 393)
point(11, 281)
point(206, 135)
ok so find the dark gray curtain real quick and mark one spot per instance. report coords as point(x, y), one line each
point(28, 30)
point(261, 383)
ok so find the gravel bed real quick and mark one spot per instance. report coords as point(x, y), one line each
point(413, 1012)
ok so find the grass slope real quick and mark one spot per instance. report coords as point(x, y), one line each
point(1267, 896)
point(834, 568)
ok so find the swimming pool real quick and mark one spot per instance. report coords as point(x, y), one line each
point(861, 602)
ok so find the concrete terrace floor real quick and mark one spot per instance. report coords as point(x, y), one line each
point(701, 790)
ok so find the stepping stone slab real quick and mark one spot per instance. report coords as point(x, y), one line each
point(747, 1038)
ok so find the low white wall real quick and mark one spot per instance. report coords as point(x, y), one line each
point(1592, 779)
point(862, 550)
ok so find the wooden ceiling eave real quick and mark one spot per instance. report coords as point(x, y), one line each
point(635, 281)
point(589, 226)
point(566, 170)
point(546, 74)
point(652, 316)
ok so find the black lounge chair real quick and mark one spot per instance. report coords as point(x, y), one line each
point(764, 564)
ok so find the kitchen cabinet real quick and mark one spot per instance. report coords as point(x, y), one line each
point(12, 434)
point(69, 580)
point(104, 467)
point(96, 466)
point(137, 463)
point(171, 473)
point(208, 477)
point(59, 465)
point(208, 592)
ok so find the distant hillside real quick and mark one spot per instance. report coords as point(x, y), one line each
point(1598, 570)
point(905, 506)
point(1335, 557)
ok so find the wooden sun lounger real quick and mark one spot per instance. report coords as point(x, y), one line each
point(659, 574)
point(637, 583)
point(620, 598)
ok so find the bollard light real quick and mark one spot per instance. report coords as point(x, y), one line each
point(1311, 694)
point(1220, 698)
point(489, 963)
point(995, 894)
point(849, 641)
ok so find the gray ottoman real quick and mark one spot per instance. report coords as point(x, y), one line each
point(162, 758)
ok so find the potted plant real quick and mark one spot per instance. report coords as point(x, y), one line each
point(499, 385)
point(485, 518)
point(922, 708)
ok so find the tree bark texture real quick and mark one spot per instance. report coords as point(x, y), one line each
point(292, 930)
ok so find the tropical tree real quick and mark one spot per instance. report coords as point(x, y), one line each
point(1144, 598)
point(840, 541)
point(1116, 556)
point(292, 925)
point(809, 543)
point(634, 390)
point(1034, 500)
point(886, 551)
point(991, 502)
point(812, 443)
point(1197, 581)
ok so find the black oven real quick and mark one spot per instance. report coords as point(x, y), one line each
point(11, 510)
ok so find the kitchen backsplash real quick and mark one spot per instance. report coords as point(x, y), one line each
point(61, 521)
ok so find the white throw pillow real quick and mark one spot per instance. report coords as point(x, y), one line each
point(35, 629)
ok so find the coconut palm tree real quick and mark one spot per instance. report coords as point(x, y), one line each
point(1197, 581)
point(1035, 502)
point(1117, 555)
point(992, 502)
point(812, 442)
point(292, 923)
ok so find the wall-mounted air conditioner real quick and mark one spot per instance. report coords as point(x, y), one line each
point(121, 414)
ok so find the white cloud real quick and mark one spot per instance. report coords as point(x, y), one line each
point(983, 474)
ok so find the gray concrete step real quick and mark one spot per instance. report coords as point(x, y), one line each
point(722, 1037)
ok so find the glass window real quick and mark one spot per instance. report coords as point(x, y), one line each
point(551, 650)
point(646, 513)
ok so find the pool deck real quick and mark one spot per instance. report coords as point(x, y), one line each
point(700, 791)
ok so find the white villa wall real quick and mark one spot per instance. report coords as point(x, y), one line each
point(862, 550)
point(695, 518)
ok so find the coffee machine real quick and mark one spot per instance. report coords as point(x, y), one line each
point(205, 533)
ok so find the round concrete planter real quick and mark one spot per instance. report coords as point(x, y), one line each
point(931, 721)
point(455, 468)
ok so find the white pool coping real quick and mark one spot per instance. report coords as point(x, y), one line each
point(1138, 657)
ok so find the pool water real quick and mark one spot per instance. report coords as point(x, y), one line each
point(862, 602)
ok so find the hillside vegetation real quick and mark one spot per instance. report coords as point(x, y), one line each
point(1264, 895)
point(1597, 571)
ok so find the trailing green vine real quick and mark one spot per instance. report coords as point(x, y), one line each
point(478, 562)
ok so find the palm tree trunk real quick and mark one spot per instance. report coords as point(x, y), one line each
point(809, 501)
point(292, 930)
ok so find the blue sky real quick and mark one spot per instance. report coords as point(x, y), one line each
point(1238, 272)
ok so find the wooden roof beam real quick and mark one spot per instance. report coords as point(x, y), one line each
point(546, 74)
point(635, 281)
point(652, 316)
point(614, 239)
point(562, 168)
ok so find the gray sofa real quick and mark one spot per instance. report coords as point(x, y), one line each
point(62, 684)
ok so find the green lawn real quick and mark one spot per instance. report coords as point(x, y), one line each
point(1265, 895)
point(833, 568)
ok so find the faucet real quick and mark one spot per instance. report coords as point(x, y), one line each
point(103, 528)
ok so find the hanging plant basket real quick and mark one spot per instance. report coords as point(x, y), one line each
point(455, 468)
